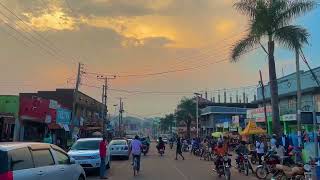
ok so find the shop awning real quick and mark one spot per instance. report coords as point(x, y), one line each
point(252, 128)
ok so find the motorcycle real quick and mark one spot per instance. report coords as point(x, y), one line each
point(244, 164)
point(293, 173)
point(171, 144)
point(145, 149)
point(161, 151)
point(254, 157)
point(269, 162)
point(224, 166)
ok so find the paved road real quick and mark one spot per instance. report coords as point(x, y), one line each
point(155, 167)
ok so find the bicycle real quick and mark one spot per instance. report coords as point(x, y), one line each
point(135, 166)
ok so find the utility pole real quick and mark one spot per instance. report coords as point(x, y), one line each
point(104, 100)
point(197, 112)
point(75, 96)
point(121, 110)
point(264, 101)
point(298, 114)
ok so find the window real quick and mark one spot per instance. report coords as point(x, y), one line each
point(20, 159)
point(42, 158)
point(61, 157)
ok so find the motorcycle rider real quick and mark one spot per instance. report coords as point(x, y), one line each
point(161, 144)
point(241, 149)
point(220, 151)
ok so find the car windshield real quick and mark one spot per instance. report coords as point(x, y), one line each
point(118, 142)
point(86, 145)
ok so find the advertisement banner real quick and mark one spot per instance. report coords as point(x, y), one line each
point(63, 116)
point(258, 114)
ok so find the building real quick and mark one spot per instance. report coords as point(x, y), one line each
point(9, 108)
point(222, 117)
point(51, 112)
point(287, 89)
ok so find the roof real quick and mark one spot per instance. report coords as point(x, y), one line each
point(89, 139)
point(7, 146)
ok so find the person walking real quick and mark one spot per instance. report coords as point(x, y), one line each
point(103, 153)
point(179, 149)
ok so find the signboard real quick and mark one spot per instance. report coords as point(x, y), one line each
point(48, 119)
point(53, 104)
point(289, 117)
point(63, 116)
point(225, 125)
point(235, 119)
point(258, 114)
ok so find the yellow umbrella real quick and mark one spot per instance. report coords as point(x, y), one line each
point(216, 134)
point(252, 128)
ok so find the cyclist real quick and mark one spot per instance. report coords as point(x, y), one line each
point(136, 149)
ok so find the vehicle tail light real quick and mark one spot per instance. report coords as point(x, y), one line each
point(6, 176)
point(126, 148)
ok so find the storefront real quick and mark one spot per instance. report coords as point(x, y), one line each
point(7, 124)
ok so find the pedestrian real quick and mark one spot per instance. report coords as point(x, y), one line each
point(285, 142)
point(259, 149)
point(179, 149)
point(273, 141)
point(47, 138)
point(103, 153)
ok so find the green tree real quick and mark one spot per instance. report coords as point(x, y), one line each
point(166, 122)
point(270, 20)
point(186, 113)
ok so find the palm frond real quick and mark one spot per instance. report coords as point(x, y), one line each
point(291, 36)
point(294, 9)
point(242, 46)
point(247, 7)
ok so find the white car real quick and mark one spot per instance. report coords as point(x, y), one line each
point(30, 161)
point(85, 151)
point(120, 148)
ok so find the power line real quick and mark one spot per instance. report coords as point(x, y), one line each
point(39, 38)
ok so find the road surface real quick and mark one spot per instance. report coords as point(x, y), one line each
point(154, 167)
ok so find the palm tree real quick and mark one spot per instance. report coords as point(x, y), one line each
point(270, 19)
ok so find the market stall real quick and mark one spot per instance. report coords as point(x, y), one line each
point(248, 134)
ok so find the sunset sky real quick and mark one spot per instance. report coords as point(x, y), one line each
point(134, 37)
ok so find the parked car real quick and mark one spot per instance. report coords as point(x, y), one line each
point(85, 151)
point(30, 161)
point(119, 147)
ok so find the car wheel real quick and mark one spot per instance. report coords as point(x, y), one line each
point(81, 178)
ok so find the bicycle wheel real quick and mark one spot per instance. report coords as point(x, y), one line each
point(135, 165)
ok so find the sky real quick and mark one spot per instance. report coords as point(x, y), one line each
point(161, 50)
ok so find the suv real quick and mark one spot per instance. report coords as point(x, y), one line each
point(32, 161)
point(85, 151)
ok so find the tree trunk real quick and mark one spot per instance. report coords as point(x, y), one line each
point(188, 129)
point(276, 127)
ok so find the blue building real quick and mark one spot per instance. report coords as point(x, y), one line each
point(287, 89)
point(224, 117)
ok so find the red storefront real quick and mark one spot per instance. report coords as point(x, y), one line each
point(35, 116)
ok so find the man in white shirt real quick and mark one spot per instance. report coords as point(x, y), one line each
point(259, 150)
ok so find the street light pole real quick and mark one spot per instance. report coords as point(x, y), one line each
point(197, 113)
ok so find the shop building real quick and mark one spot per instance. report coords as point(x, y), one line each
point(287, 88)
point(88, 117)
point(222, 117)
point(9, 108)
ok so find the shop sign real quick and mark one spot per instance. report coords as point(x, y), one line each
point(289, 117)
point(53, 104)
point(225, 125)
point(235, 119)
point(48, 119)
point(63, 116)
point(258, 114)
